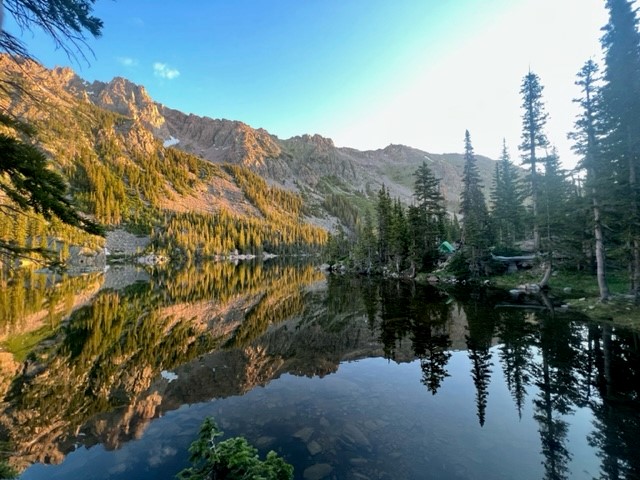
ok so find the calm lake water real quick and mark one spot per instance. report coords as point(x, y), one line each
point(110, 377)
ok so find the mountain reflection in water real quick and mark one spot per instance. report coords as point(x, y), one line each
point(362, 379)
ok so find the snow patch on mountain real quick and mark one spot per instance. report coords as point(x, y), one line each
point(170, 142)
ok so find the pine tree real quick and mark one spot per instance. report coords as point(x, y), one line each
point(31, 185)
point(398, 235)
point(383, 211)
point(552, 200)
point(426, 218)
point(366, 244)
point(427, 193)
point(473, 207)
point(507, 198)
point(587, 137)
point(534, 120)
point(621, 115)
point(67, 22)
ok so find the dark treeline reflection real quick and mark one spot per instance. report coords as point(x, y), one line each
point(561, 361)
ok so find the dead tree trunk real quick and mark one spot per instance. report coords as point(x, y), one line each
point(544, 282)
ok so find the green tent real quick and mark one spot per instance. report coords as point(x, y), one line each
point(446, 247)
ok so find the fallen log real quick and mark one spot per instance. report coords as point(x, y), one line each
point(519, 258)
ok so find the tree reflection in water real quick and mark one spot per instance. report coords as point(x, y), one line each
point(571, 362)
point(94, 372)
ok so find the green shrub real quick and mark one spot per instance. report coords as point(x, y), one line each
point(231, 459)
point(6, 472)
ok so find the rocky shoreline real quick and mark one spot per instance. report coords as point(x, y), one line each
point(124, 247)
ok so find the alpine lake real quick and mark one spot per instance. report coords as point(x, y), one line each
point(110, 375)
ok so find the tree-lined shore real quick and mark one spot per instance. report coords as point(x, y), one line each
point(582, 220)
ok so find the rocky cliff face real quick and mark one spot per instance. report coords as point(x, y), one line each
point(221, 141)
point(310, 163)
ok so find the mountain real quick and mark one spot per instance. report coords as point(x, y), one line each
point(307, 163)
point(132, 160)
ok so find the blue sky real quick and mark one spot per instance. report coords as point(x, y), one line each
point(363, 72)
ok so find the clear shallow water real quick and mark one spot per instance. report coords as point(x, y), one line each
point(355, 380)
point(372, 417)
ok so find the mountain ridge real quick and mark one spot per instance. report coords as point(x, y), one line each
point(304, 158)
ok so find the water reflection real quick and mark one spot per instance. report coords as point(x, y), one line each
point(538, 384)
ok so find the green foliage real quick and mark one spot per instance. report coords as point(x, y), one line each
point(274, 203)
point(403, 236)
point(620, 107)
point(383, 211)
point(473, 207)
point(475, 223)
point(336, 248)
point(231, 459)
point(426, 219)
point(364, 251)
point(459, 265)
point(25, 178)
point(201, 235)
point(398, 241)
point(6, 472)
point(31, 185)
point(507, 198)
point(534, 120)
point(66, 22)
point(342, 207)
point(555, 224)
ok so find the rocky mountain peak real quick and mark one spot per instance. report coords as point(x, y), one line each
point(221, 140)
point(127, 98)
point(319, 140)
point(64, 75)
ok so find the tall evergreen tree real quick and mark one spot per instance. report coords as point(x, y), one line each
point(507, 199)
point(621, 114)
point(427, 193)
point(552, 200)
point(384, 213)
point(398, 235)
point(426, 218)
point(473, 207)
point(366, 244)
point(534, 138)
point(587, 137)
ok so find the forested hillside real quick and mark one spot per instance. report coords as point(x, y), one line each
point(120, 174)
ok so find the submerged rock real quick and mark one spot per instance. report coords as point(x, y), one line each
point(355, 436)
point(304, 434)
point(314, 447)
point(317, 471)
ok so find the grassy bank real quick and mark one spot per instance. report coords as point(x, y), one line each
point(580, 292)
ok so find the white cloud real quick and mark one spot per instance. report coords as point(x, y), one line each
point(128, 61)
point(163, 70)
